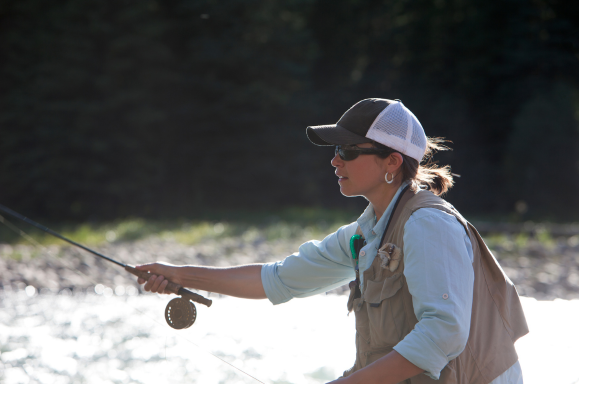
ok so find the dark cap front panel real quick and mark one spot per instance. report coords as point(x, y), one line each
point(352, 128)
point(359, 118)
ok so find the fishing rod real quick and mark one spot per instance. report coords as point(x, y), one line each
point(180, 312)
point(33, 241)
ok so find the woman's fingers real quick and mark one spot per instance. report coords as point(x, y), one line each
point(148, 285)
point(153, 283)
point(156, 284)
point(163, 287)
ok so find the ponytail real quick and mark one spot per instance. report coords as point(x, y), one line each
point(437, 179)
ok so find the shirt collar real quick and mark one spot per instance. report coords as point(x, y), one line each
point(367, 223)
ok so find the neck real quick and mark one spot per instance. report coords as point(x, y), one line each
point(382, 198)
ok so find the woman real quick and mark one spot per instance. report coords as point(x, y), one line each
point(431, 303)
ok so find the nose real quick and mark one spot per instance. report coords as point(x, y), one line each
point(336, 161)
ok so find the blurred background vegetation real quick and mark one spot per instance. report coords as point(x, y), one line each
point(180, 108)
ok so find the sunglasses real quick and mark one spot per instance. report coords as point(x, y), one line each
point(349, 154)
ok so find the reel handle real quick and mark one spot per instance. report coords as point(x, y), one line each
point(172, 287)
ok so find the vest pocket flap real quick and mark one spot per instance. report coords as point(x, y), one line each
point(376, 292)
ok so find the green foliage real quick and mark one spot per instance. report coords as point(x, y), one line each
point(288, 223)
point(113, 109)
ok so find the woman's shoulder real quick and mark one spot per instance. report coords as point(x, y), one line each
point(427, 221)
point(343, 233)
point(430, 213)
point(426, 204)
point(424, 198)
point(349, 230)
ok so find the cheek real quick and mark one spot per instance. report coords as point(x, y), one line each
point(365, 172)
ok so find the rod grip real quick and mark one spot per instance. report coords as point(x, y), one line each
point(173, 287)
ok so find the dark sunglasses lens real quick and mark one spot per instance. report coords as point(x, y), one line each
point(346, 155)
point(349, 155)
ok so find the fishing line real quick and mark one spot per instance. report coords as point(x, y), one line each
point(44, 249)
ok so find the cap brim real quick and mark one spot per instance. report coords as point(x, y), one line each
point(331, 135)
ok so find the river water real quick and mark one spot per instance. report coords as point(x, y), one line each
point(122, 337)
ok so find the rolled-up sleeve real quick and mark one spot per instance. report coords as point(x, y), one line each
point(439, 274)
point(317, 267)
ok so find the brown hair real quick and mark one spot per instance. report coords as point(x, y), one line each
point(437, 179)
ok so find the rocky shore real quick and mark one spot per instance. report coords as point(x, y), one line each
point(541, 265)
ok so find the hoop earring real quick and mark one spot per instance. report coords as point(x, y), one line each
point(386, 178)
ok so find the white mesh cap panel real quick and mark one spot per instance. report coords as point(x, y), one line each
point(418, 136)
point(393, 121)
point(392, 126)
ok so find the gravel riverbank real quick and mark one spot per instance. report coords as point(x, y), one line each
point(541, 266)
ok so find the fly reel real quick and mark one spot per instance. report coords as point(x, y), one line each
point(180, 313)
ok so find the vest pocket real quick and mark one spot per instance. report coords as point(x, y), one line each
point(384, 309)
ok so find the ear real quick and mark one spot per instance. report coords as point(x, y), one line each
point(395, 161)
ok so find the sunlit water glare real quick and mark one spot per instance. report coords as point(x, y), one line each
point(122, 338)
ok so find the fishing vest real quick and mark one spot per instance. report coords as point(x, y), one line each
point(385, 314)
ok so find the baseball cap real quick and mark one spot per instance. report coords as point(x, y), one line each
point(385, 121)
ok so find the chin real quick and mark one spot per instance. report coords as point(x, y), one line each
point(348, 193)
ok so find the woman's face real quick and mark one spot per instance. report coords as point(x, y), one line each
point(362, 176)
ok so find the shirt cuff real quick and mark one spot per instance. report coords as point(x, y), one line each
point(422, 352)
point(275, 290)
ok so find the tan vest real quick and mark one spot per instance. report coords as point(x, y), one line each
point(385, 313)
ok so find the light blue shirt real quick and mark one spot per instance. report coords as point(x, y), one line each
point(438, 260)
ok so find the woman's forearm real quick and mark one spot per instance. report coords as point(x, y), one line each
point(392, 368)
point(240, 281)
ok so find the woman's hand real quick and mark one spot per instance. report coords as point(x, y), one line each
point(391, 368)
point(162, 273)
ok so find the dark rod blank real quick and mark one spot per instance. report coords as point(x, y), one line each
point(173, 287)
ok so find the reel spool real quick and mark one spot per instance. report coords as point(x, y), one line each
point(180, 313)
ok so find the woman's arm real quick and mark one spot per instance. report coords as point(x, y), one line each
point(392, 368)
point(441, 285)
point(239, 281)
point(316, 267)
point(439, 276)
